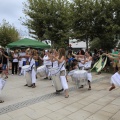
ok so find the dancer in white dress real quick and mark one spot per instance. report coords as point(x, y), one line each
point(115, 79)
point(33, 70)
point(61, 61)
point(87, 65)
point(47, 62)
point(81, 59)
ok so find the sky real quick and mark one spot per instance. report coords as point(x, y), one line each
point(11, 11)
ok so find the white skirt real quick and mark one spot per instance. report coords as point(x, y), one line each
point(115, 79)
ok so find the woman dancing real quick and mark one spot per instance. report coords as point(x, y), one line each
point(115, 79)
point(86, 65)
point(61, 62)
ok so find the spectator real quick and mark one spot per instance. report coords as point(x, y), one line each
point(15, 62)
point(115, 62)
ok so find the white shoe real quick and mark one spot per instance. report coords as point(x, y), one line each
point(20, 74)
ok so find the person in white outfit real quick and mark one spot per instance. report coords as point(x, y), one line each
point(2, 83)
point(81, 59)
point(115, 79)
point(33, 71)
point(87, 65)
point(61, 61)
point(22, 57)
point(47, 62)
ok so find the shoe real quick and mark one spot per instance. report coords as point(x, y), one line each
point(111, 88)
point(58, 91)
point(26, 85)
point(20, 74)
point(89, 88)
point(33, 85)
point(30, 86)
point(67, 96)
point(45, 78)
point(1, 101)
point(6, 77)
point(50, 79)
point(82, 86)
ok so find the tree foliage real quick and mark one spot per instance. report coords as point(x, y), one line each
point(8, 33)
point(96, 18)
point(58, 20)
point(48, 19)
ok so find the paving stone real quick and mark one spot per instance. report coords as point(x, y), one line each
point(92, 108)
point(100, 115)
point(111, 108)
point(79, 115)
point(5, 117)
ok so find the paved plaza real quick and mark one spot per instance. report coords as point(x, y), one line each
point(41, 103)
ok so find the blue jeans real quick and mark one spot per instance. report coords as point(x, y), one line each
point(4, 66)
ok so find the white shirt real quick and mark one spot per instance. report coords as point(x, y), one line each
point(15, 59)
point(62, 66)
point(55, 64)
point(22, 54)
point(46, 60)
point(32, 62)
point(81, 60)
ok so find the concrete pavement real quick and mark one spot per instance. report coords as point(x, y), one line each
point(40, 103)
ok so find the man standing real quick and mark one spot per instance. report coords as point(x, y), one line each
point(115, 62)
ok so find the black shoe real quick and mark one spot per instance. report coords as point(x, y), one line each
point(50, 79)
point(46, 78)
point(82, 86)
point(26, 85)
point(30, 86)
point(59, 90)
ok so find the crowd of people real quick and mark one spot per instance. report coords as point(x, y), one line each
point(82, 60)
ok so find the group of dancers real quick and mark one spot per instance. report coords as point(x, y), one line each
point(53, 59)
point(57, 59)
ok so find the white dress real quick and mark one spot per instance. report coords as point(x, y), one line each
point(115, 79)
point(47, 63)
point(2, 84)
point(80, 63)
point(88, 65)
point(63, 78)
point(33, 73)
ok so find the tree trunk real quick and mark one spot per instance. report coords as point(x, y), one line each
point(87, 43)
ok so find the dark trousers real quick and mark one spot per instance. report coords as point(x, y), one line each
point(14, 67)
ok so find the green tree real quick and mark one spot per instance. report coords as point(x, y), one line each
point(96, 18)
point(82, 19)
point(48, 19)
point(8, 33)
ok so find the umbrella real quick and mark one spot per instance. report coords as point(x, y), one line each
point(26, 42)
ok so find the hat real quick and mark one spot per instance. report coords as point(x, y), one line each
point(0, 46)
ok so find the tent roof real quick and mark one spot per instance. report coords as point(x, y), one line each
point(26, 42)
